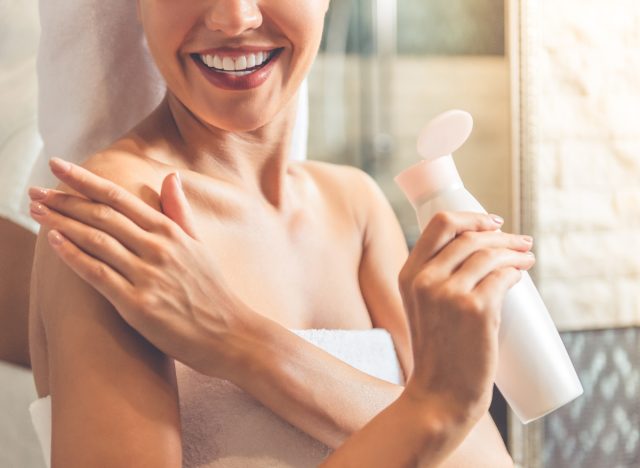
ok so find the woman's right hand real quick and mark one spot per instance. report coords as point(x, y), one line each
point(452, 286)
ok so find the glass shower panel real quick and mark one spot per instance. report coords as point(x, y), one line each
point(385, 67)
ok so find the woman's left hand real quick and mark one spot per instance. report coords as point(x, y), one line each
point(151, 266)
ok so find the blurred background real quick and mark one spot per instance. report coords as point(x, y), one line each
point(387, 67)
point(553, 88)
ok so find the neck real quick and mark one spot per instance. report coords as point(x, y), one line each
point(256, 161)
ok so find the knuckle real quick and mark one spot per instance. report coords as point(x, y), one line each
point(472, 304)
point(167, 229)
point(98, 238)
point(487, 254)
point(423, 281)
point(102, 213)
point(113, 194)
point(146, 302)
point(162, 255)
point(98, 272)
point(443, 219)
point(469, 237)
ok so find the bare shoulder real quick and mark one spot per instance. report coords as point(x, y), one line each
point(349, 185)
point(114, 395)
point(137, 173)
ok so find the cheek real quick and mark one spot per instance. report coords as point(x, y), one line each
point(164, 25)
point(302, 21)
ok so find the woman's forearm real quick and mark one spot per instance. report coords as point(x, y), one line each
point(308, 387)
point(333, 402)
point(403, 435)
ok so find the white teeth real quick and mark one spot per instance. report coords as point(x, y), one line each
point(227, 64)
point(239, 64)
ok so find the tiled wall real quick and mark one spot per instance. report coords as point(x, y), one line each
point(586, 66)
point(602, 427)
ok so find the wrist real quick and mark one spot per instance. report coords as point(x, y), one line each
point(438, 411)
point(254, 339)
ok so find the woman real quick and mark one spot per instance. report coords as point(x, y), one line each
point(178, 284)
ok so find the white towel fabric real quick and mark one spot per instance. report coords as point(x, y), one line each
point(96, 80)
point(20, 143)
point(224, 427)
point(19, 445)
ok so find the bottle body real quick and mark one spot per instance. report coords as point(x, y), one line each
point(535, 373)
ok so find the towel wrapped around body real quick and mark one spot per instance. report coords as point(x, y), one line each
point(224, 427)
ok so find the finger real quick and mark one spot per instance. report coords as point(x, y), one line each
point(451, 257)
point(485, 261)
point(104, 191)
point(493, 288)
point(93, 242)
point(96, 215)
point(443, 228)
point(113, 286)
point(175, 204)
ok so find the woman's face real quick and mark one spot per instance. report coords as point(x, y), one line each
point(233, 63)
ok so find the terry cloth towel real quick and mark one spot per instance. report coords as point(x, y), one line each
point(20, 143)
point(224, 427)
point(95, 80)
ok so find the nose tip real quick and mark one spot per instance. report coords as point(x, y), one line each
point(233, 17)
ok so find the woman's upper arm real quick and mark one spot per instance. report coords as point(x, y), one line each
point(114, 395)
point(384, 252)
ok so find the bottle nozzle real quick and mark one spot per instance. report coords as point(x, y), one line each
point(444, 134)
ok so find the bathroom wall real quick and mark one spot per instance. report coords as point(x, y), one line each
point(581, 115)
point(421, 87)
point(587, 190)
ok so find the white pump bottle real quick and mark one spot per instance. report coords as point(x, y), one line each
point(535, 374)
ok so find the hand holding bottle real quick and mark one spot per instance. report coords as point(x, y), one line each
point(452, 285)
point(534, 371)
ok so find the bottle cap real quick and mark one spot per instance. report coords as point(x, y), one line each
point(444, 134)
point(438, 139)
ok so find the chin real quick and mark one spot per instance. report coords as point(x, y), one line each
point(244, 120)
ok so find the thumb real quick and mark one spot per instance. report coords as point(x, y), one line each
point(175, 204)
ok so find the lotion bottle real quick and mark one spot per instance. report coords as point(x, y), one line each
point(535, 374)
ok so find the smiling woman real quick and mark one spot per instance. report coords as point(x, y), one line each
point(154, 294)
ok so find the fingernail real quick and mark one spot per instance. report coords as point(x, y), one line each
point(37, 193)
point(530, 253)
point(60, 166)
point(497, 219)
point(179, 180)
point(38, 208)
point(55, 237)
point(527, 239)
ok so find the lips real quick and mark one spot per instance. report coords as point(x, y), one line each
point(237, 70)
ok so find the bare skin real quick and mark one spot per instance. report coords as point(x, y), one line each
point(129, 357)
point(283, 234)
point(77, 317)
point(16, 251)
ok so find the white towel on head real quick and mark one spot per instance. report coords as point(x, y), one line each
point(19, 140)
point(96, 80)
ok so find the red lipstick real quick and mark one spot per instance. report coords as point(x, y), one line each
point(257, 76)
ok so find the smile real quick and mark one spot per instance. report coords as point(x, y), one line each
point(240, 65)
point(238, 70)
